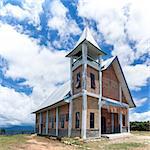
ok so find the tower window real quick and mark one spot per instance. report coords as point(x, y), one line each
point(91, 120)
point(92, 80)
point(78, 81)
point(77, 120)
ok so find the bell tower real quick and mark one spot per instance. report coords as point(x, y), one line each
point(85, 74)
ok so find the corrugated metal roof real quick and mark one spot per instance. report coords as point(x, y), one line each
point(59, 94)
point(86, 35)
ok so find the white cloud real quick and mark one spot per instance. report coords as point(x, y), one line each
point(39, 65)
point(15, 107)
point(58, 21)
point(140, 102)
point(121, 21)
point(30, 11)
point(144, 116)
point(118, 21)
point(137, 75)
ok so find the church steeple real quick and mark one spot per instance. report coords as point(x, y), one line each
point(87, 37)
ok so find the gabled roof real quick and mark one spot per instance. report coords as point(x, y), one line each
point(63, 92)
point(86, 35)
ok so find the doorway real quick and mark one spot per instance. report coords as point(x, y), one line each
point(103, 125)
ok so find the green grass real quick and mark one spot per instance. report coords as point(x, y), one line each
point(144, 133)
point(12, 141)
point(123, 146)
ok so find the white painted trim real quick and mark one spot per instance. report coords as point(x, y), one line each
point(40, 131)
point(80, 62)
point(57, 121)
point(76, 95)
point(120, 122)
point(100, 94)
point(92, 95)
point(112, 122)
point(114, 101)
point(47, 122)
point(84, 97)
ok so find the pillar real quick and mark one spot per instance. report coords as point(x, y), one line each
point(40, 123)
point(128, 121)
point(120, 122)
point(47, 122)
point(112, 122)
point(57, 121)
point(84, 92)
point(70, 103)
point(100, 94)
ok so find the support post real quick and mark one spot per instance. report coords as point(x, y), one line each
point(70, 104)
point(100, 94)
point(47, 122)
point(128, 119)
point(120, 122)
point(57, 121)
point(84, 91)
point(40, 123)
point(112, 122)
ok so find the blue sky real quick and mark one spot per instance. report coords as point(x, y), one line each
point(36, 35)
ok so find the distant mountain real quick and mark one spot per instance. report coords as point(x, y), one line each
point(23, 129)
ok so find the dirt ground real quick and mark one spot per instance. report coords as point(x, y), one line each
point(136, 141)
point(42, 143)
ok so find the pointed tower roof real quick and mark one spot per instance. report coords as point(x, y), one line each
point(86, 36)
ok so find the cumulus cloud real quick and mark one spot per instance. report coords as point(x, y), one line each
point(15, 107)
point(137, 75)
point(140, 102)
point(125, 26)
point(39, 65)
point(29, 11)
point(58, 21)
point(144, 116)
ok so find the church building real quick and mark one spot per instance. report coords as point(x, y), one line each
point(95, 101)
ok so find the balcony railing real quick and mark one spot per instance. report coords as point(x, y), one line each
point(90, 61)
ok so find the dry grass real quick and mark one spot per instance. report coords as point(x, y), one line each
point(137, 141)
